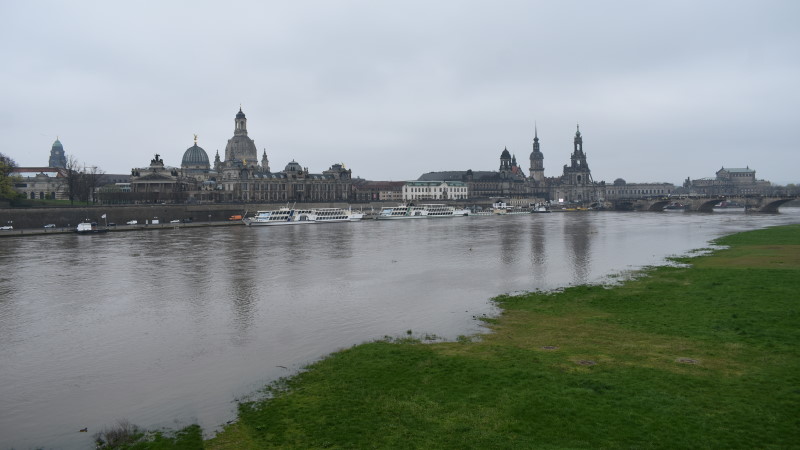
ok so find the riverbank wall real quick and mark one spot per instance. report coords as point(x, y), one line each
point(69, 216)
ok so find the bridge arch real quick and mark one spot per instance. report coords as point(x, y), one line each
point(708, 205)
point(772, 206)
point(659, 205)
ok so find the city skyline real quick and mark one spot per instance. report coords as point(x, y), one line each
point(662, 91)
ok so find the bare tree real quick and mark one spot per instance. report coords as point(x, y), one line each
point(92, 176)
point(81, 181)
point(73, 175)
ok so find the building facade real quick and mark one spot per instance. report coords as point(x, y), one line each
point(729, 181)
point(435, 190)
point(39, 183)
point(239, 177)
point(377, 191)
point(510, 182)
point(621, 189)
point(157, 183)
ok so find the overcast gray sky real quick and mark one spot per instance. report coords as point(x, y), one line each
point(662, 90)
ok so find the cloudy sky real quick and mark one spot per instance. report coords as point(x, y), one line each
point(663, 90)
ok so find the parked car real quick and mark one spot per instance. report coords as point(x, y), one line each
point(132, 222)
point(6, 227)
point(50, 225)
point(175, 221)
point(111, 224)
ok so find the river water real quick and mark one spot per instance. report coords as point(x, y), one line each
point(164, 328)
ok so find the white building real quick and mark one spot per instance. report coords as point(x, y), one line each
point(435, 190)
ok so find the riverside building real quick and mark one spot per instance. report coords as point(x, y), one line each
point(574, 185)
point(239, 177)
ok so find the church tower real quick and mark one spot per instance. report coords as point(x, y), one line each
point(537, 159)
point(577, 178)
point(265, 162)
point(57, 157)
point(240, 147)
point(578, 156)
point(505, 163)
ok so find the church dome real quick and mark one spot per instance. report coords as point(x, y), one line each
point(57, 145)
point(240, 114)
point(505, 154)
point(619, 182)
point(293, 166)
point(195, 156)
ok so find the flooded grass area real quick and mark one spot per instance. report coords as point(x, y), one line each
point(701, 356)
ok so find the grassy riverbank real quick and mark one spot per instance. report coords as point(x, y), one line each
point(700, 356)
point(704, 356)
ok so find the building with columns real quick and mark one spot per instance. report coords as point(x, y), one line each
point(47, 182)
point(729, 181)
point(435, 190)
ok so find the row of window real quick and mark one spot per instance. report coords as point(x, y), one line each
point(642, 191)
point(42, 195)
point(282, 187)
point(435, 189)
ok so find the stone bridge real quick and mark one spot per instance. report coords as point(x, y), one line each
point(754, 203)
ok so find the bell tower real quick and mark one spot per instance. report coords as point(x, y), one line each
point(537, 159)
point(241, 124)
point(578, 156)
point(57, 157)
point(577, 173)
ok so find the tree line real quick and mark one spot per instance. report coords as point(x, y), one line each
point(81, 182)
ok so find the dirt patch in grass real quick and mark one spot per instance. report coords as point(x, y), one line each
point(762, 256)
point(584, 337)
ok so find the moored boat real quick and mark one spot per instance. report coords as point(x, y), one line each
point(726, 206)
point(539, 208)
point(324, 215)
point(89, 228)
point(504, 208)
point(291, 216)
point(402, 212)
point(281, 216)
point(424, 211)
point(675, 207)
point(439, 210)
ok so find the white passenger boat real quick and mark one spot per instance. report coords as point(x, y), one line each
point(291, 216)
point(402, 212)
point(324, 215)
point(282, 216)
point(675, 207)
point(539, 208)
point(728, 207)
point(505, 208)
point(439, 210)
point(425, 211)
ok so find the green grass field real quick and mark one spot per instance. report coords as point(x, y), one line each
point(704, 356)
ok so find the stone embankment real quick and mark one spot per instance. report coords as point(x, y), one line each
point(70, 216)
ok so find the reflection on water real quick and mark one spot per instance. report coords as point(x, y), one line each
point(168, 325)
point(579, 232)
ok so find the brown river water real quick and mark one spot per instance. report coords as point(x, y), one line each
point(170, 327)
